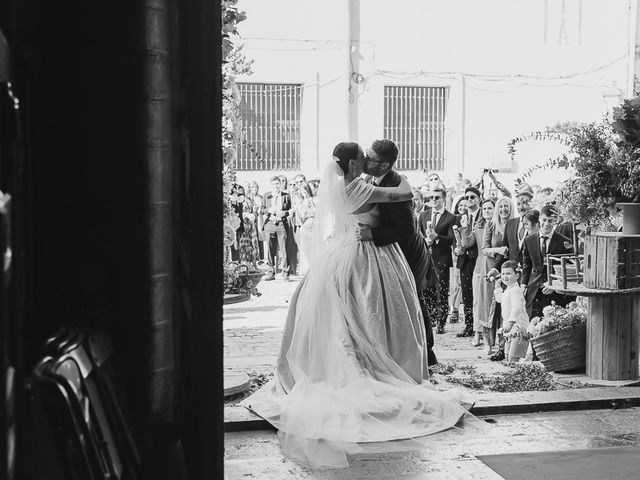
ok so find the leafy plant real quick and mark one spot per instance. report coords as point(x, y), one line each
point(524, 377)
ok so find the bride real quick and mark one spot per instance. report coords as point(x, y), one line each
point(352, 367)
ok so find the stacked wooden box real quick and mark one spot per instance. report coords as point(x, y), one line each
point(612, 265)
point(612, 261)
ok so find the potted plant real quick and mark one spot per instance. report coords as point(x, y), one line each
point(605, 158)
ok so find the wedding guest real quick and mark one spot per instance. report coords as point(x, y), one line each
point(314, 183)
point(435, 225)
point(492, 247)
point(515, 319)
point(482, 291)
point(543, 197)
point(514, 232)
point(467, 258)
point(418, 202)
point(305, 212)
point(291, 245)
point(237, 198)
point(496, 186)
point(277, 206)
point(455, 291)
point(254, 209)
point(531, 221)
point(534, 270)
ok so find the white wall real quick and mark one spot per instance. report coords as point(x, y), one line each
point(512, 66)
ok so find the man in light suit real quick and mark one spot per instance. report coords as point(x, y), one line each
point(278, 206)
point(534, 270)
point(436, 226)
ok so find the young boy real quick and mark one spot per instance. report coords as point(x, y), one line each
point(515, 319)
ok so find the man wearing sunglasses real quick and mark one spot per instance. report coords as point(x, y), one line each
point(466, 261)
point(515, 231)
point(436, 226)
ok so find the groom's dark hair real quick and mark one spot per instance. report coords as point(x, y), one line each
point(386, 149)
point(345, 151)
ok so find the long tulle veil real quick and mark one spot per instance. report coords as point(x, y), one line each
point(337, 390)
point(331, 215)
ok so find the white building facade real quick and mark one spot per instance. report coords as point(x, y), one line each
point(452, 81)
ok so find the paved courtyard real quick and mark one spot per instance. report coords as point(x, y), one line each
point(252, 332)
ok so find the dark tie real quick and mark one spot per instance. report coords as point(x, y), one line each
point(434, 221)
point(543, 249)
point(521, 231)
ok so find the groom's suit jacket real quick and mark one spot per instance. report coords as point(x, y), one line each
point(398, 225)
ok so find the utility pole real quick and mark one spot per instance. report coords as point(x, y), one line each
point(353, 65)
point(634, 49)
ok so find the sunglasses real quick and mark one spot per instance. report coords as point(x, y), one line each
point(470, 197)
point(432, 198)
point(524, 201)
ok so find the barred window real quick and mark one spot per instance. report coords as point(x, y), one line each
point(414, 119)
point(270, 115)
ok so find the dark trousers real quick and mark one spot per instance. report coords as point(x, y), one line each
point(431, 356)
point(277, 246)
point(466, 281)
point(292, 249)
point(437, 297)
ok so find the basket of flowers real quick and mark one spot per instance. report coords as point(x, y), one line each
point(239, 278)
point(559, 338)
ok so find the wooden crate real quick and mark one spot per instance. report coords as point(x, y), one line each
point(612, 260)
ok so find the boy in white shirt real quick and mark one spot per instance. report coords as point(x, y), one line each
point(515, 319)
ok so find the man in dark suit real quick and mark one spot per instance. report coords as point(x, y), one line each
point(534, 270)
point(466, 261)
point(278, 206)
point(514, 231)
point(436, 226)
point(398, 225)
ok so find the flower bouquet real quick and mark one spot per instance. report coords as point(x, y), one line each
point(240, 278)
point(558, 339)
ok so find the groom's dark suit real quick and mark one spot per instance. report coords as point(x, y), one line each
point(398, 225)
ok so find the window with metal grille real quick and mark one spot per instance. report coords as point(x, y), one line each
point(270, 115)
point(414, 119)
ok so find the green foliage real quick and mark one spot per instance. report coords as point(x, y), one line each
point(604, 158)
point(626, 122)
point(523, 378)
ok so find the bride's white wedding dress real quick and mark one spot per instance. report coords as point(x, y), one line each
point(353, 362)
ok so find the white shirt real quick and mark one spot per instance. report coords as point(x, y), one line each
point(524, 234)
point(472, 217)
point(434, 214)
point(379, 179)
point(548, 237)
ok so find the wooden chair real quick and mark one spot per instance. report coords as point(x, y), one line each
point(83, 404)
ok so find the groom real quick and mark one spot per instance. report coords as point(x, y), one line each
point(398, 224)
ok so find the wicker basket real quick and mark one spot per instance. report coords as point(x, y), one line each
point(562, 350)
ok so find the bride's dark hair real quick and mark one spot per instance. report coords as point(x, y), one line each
point(345, 151)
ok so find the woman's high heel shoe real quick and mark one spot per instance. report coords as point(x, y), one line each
point(476, 340)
